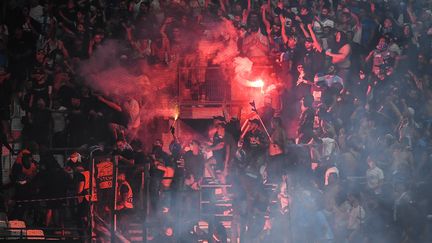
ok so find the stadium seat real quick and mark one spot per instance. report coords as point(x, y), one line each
point(35, 234)
point(17, 229)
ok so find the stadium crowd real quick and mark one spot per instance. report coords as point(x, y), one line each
point(349, 133)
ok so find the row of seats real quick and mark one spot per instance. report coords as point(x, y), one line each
point(16, 229)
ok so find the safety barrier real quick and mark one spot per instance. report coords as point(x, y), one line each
point(42, 233)
point(211, 84)
point(18, 230)
point(50, 199)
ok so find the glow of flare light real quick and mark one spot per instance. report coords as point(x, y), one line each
point(176, 112)
point(259, 83)
point(176, 115)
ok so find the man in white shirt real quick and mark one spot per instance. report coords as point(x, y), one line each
point(374, 177)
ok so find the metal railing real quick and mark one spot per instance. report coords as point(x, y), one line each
point(203, 84)
point(48, 233)
point(211, 84)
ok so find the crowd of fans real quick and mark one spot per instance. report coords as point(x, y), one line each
point(346, 140)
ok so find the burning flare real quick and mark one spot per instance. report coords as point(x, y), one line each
point(259, 83)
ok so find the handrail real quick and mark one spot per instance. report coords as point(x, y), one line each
point(50, 199)
point(8, 233)
point(41, 228)
point(210, 102)
point(217, 67)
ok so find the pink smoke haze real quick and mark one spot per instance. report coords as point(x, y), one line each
point(147, 92)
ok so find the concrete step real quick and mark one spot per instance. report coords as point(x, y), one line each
point(134, 231)
point(136, 239)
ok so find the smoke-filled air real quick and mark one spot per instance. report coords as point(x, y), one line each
point(216, 121)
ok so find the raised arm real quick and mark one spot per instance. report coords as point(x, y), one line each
point(316, 43)
point(64, 17)
point(411, 14)
point(66, 29)
point(283, 29)
point(394, 108)
point(265, 20)
point(305, 32)
point(165, 39)
point(222, 6)
point(246, 12)
point(368, 58)
point(110, 103)
point(162, 30)
point(357, 20)
point(416, 80)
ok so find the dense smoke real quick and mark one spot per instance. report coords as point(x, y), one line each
point(219, 42)
point(114, 74)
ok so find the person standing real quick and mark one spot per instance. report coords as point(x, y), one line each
point(5, 102)
point(194, 165)
point(306, 122)
point(255, 144)
point(340, 53)
point(194, 169)
point(374, 177)
point(223, 150)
